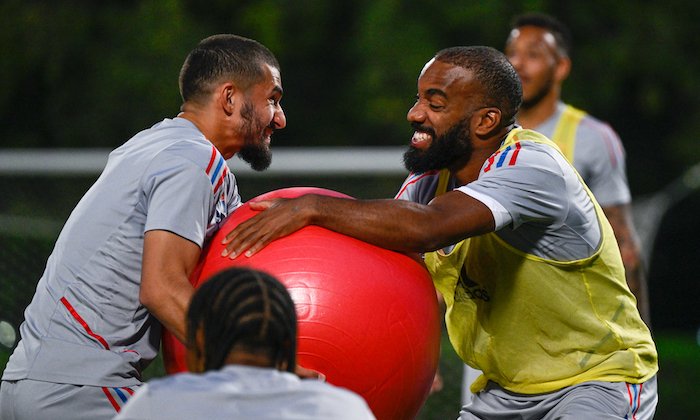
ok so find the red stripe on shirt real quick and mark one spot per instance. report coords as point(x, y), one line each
point(514, 157)
point(639, 400)
point(490, 161)
point(211, 159)
point(221, 179)
point(82, 322)
point(111, 399)
point(413, 181)
point(129, 390)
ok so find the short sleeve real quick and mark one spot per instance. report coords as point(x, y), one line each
point(600, 159)
point(530, 187)
point(179, 197)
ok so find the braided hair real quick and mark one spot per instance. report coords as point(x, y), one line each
point(245, 310)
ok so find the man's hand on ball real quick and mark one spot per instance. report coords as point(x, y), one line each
point(277, 218)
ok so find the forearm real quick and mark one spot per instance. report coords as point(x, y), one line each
point(170, 305)
point(392, 224)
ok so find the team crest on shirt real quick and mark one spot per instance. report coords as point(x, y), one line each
point(467, 289)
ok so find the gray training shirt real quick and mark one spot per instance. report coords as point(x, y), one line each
point(598, 156)
point(85, 324)
point(539, 204)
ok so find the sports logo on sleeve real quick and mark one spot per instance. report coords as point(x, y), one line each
point(507, 156)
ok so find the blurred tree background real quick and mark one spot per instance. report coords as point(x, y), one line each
point(82, 74)
point(90, 74)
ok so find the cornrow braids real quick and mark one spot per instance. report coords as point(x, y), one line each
point(243, 310)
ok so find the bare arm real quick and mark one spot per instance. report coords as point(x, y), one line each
point(393, 224)
point(621, 221)
point(168, 261)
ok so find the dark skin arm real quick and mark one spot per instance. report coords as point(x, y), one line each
point(393, 224)
point(621, 221)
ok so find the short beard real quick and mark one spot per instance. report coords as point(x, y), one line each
point(254, 150)
point(443, 152)
point(539, 95)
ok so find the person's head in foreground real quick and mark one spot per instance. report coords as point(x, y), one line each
point(241, 316)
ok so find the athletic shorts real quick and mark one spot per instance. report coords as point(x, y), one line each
point(589, 400)
point(27, 399)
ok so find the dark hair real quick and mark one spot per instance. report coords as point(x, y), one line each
point(223, 57)
point(499, 80)
point(562, 34)
point(247, 310)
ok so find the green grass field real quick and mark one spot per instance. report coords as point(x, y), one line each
point(679, 360)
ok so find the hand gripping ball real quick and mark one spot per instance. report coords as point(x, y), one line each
point(368, 317)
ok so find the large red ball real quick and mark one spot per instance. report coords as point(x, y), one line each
point(368, 317)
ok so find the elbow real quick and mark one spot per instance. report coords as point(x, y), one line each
point(424, 240)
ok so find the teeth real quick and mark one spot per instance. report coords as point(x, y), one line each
point(419, 136)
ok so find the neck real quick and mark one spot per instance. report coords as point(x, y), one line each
point(248, 359)
point(208, 125)
point(469, 172)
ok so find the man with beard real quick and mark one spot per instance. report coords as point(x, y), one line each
point(539, 47)
point(534, 286)
point(120, 267)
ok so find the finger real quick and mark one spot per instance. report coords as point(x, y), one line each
point(254, 205)
point(306, 373)
point(238, 239)
point(262, 204)
point(251, 239)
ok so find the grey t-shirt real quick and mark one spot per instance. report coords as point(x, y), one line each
point(243, 392)
point(539, 204)
point(598, 156)
point(85, 324)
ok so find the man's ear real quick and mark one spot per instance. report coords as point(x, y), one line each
point(485, 121)
point(226, 97)
point(563, 68)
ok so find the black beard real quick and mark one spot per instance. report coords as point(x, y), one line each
point(443, 152)
point(254, 151)
point(539, 95)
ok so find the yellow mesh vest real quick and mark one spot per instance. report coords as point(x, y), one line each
point(534, 325)
point(564, 134)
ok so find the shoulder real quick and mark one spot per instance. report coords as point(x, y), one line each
point(591, 126)
point(530, 151)
point(597, 138)
point(336, 399)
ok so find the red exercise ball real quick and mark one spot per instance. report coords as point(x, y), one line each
point(368, 317)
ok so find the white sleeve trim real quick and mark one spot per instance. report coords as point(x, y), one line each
point(500, 214)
